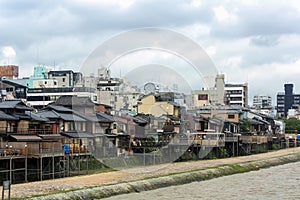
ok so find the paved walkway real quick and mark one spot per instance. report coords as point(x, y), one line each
point(69, 183)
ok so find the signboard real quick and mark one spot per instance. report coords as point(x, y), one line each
point(202, 96)
point(9, 70)
point(6, 185)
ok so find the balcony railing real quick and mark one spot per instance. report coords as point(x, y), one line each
point(10, 152)
point(255, 139)
point(31, 131)
point(45, 148)
point(210, 143)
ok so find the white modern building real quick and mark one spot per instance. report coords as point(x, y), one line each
point(236, 94)
point(262, 102)
point(40, 97)
point(116, 92)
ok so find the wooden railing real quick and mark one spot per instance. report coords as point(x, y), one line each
point(231, 138)
point(6, 130)
point(254, 139)
point(9, 152)
point(45, 148)
point(77, 149)
point(210, 143)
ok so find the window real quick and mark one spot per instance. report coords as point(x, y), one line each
point(230, 116)
point(236, 99)
point(94, 98)
point(64, 79)
point(202, 96)
point(71, 126)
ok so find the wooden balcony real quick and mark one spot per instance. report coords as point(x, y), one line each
point(45, 149)
point(210, 143)
point(13, 149)
point(231, 138)
point(209, 139)
point(254, 139)
point(5, 130)
point(77, 149)
point(12, 152)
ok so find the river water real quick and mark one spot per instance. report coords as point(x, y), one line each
point(280, 182)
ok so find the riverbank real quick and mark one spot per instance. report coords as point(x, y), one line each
point(277, 182)
point(145, 178)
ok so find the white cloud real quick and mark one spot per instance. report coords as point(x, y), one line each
point(124, 4)
point(196, 3)
point(232, 62)
point(8, 52)
point(222, 15)
point(211, 51)
point(7, 55)
point(248, 39)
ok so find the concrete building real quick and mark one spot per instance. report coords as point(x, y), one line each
point(66, 78)
point(157, 106)
point(40, 97)
point(46, 86)
point(287, 100)
point(263, 104)
point(236, 94)
point(116, 92)
point(210, 96)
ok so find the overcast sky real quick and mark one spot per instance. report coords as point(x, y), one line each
point(249, 41)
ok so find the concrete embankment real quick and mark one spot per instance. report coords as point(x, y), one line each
point(173, 179)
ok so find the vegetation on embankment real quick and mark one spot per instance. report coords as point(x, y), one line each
point(172, 179)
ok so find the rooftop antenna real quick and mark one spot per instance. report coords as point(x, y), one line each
point(38, 55)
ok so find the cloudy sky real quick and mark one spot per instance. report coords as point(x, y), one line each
point(249, 41)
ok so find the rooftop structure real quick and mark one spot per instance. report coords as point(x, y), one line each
point(287, 100)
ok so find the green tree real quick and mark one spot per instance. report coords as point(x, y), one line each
point(246, 126)
point(292, 125)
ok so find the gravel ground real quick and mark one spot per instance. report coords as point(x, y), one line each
point(125, 175)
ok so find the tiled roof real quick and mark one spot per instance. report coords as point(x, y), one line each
point(78, 134)
point(71, 117)
point(50, 114)
point(74, 101)
point(104, 117)
point(59, 108)
point(5, 116)
point(36, 117)
point(18, 104)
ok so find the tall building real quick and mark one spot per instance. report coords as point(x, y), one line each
point(262, 102)
point(236, 94)
point(116, 92)
point(287, 100)
point(65, 78)
point(212, 96)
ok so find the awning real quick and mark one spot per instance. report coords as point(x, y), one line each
point(26, 138)
point(78, 135)
point(51, 137)
point(71, 117)
point(255, 122)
